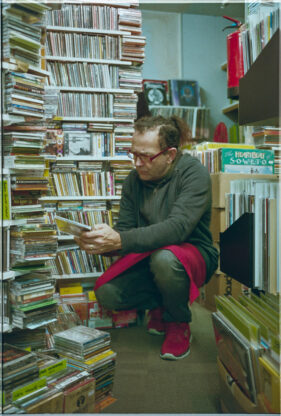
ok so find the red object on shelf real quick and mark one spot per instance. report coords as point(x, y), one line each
point(235, 64)
point(220, 133)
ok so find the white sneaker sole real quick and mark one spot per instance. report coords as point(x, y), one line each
point(153, 331)
point(172, 357)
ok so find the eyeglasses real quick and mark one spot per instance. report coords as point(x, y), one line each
point(145, 158)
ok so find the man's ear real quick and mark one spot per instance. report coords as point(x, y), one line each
point(172, 154)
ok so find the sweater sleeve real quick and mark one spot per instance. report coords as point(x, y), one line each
point(192, 201)
point(127, 214)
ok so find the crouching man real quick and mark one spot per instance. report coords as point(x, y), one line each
point(162, 235)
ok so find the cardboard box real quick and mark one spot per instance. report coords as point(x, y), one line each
point(80, 398)
point(218, 223)
point(52, 404)
point(220, 284)
point(221, 185)
point(233, 400)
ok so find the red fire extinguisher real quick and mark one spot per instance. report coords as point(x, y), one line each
point(235, 66)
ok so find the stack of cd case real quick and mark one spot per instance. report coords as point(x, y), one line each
point(18, 368)
point(89, 349)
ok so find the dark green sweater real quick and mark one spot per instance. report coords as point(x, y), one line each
point(174, 210)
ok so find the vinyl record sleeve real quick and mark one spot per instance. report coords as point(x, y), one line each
point(155, 91)
point(235, 353)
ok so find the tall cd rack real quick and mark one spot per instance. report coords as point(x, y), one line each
point(23, 177)
point(95, 77)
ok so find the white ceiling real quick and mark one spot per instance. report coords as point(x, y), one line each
point(211, 8)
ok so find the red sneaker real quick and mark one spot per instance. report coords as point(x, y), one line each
point(177, 341)
point(155, 325)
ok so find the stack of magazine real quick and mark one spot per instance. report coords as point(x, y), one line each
point(89, 349)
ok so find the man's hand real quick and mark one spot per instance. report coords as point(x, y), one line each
point(102, 239)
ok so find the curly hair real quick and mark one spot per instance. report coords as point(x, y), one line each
point(173, 131)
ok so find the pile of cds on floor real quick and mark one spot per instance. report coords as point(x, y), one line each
point(89, 349)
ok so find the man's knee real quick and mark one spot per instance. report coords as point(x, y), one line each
point(163, 264)
point(107, 296)
point(169, 272)
point(163, 260)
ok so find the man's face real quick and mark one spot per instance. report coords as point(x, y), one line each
point(147, 144)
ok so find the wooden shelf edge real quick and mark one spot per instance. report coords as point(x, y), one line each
point(230, 108)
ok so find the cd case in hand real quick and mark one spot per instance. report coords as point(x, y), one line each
point(71, 227)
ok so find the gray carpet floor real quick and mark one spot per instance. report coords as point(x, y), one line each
point(144, 383)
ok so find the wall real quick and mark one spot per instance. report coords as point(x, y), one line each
point(192, 47)
point(163, 49)
point(203, 52)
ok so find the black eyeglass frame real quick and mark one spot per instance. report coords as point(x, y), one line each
point(145, 158)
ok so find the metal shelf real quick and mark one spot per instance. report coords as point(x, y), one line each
point(51, 28)
point(9, 223)
point(8, 275)
point(79, 198)
point(94, 119)
point(89, 60)
point(94, 158)
point(77, 275)
point(87, 89)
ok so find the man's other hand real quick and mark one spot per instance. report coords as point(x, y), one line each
point(101, 239)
